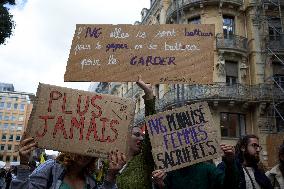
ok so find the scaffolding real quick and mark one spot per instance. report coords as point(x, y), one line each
point(271, 24)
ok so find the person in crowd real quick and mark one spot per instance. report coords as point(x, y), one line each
point(2, 178)
point(69, 170)
point(251, 176)
point(202, 175)
point(8, 178)
point(133, 175)
point(137, 172)
point(276, 174)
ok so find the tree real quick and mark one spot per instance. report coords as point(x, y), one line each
point(6, 22)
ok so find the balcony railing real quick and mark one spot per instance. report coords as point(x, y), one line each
point(220, 91)
point(139, 117)
point(233, 42)
point(187, 3)
point(133, 91)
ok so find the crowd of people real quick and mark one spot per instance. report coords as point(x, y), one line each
point(6, 176)
point(239, 168)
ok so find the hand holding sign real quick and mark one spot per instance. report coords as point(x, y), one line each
point(158, 177)
point(27, 145)
point(116, 161)
point(229, 152)
point(147, 88)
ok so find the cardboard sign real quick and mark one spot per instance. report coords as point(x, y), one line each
point(183, 136)
point(81, 122)
point(159, 53)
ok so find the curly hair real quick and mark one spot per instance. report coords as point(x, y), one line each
point(243, 142)
point(68, 159)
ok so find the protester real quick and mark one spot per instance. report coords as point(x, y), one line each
point(2, 178)
point(133, 175)
point(137, 172)
point(247, 152)
point(203, 175)
point(67, 171)
point(276, 174)
point(8, 178)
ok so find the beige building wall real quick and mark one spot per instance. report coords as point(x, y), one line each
point(15, 109)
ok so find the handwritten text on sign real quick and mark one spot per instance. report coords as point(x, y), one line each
point(160, 53)
point(81, 122)
point(182, 137)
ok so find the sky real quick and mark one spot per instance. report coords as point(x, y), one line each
point(39, 48)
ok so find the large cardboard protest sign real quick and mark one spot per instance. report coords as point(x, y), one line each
point(81, 122)
point(159, 53)
point(183, 136)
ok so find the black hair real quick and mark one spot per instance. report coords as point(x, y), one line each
point(243, 143)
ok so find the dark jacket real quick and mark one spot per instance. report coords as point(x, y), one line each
point(203, 176)
point(49, 176)
point(260, 177)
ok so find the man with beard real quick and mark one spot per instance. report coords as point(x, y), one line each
point(247, 153)
point(276, 174)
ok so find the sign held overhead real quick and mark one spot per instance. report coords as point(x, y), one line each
point(159, 53)
point(81, 122)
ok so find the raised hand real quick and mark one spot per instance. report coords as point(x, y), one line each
point(27, 145)
point(229, 152)
point(116, 161)
point(147, 88)
point(158, 177)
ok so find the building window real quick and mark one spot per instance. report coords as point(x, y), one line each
point(22, 107)
point(2, 147)
point(274, 28)
point(194, 20)
point(21, 118)
point(2, 105)
point(11, 138)
point(5, 126)
point(228, 26)
point(15, 158)
point(7, 158)
point(19, 127)
point(231, 69)
point(14, 117)
point(1, 115)
point(9, 147)
point(18, 138)
point(232, 124)
point(15, 106)
point(6, 118)
point(9, 106)
point(3, 137)
point(279, 79)
point(3, 98)
point(12, 126)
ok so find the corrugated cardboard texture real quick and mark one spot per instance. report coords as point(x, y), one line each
point(81, 122)
point(183, 136)
point(159, 53)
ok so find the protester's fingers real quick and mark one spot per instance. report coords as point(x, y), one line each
point(26, 141)
point(123, 158)
point(27, 147)
point(27, 151)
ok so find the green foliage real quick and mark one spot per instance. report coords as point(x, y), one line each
point(6, 22)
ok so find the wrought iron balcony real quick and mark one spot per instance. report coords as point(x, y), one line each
point(183, 4)
point(220, 92)
point(139, 117)
point(133, 91)
point(231, 42)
